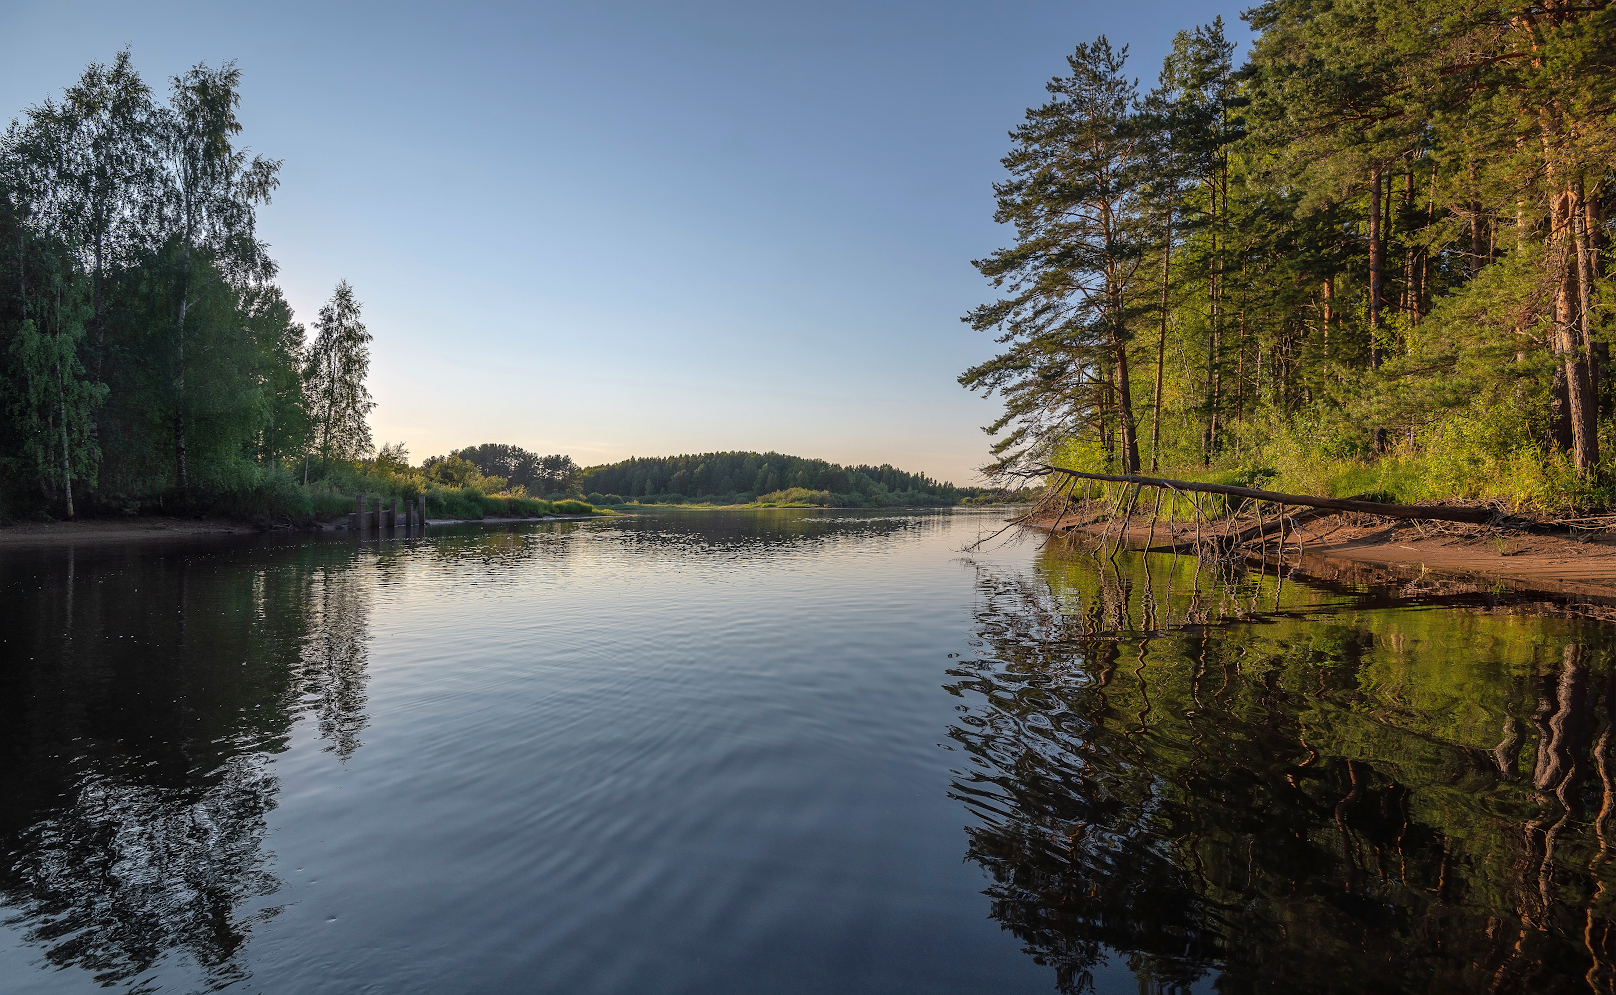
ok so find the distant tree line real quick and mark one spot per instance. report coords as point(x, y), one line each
point(1384, 238)
point(740, 477)
point(146, 355)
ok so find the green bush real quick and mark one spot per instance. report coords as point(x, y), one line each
point(595, 497)
point(573, 508)
point(795, 496)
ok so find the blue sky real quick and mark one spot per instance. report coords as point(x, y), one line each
point(634, 229)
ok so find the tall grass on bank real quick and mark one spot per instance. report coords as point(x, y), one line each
point(1467, 458)
point(279, 495)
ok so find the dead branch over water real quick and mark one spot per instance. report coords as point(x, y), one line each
point(1216, 519)
point(1434, 512)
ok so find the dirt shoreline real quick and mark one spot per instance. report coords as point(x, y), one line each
point(122, 531)
point(1463, 561)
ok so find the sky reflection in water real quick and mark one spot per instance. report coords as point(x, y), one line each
point(748, 752)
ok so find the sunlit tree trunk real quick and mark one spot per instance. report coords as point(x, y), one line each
point(1564, 212)
point(1377, 266)
point(1161, 344)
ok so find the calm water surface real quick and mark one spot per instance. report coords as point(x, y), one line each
point(786, 752)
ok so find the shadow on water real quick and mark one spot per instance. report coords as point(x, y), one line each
point(145, 693)
point(143, 699)
point(1235, 780)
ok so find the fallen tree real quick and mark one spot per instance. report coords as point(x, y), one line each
point(1435, 512)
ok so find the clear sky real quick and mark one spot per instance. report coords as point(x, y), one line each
point(634, 229)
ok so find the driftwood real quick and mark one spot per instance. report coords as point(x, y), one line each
point(1434, 512)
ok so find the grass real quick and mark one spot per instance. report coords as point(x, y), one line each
point(279, 496)
point(1473, 458)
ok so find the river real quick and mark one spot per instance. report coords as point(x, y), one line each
point(787, 751)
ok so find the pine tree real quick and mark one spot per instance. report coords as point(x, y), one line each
point(1077, 169)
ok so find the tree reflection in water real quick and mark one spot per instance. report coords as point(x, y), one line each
point(1286, 788)
point(135, 774)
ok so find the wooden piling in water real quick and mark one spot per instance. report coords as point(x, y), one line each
point(359, 513)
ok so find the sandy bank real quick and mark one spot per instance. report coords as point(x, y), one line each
point(122, 531)
point(116, 531)
point(1470, 558)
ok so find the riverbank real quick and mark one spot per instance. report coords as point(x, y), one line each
point(122, 531)
point(110, 531)
point(1473, 558)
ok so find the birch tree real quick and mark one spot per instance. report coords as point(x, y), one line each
point(207, 208)
point(334, 377)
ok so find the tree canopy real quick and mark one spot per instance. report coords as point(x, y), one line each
point(1379, 247)
point(146, 355)
point(743, 476)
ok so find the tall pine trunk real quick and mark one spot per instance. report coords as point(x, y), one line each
point(1125, 420)
point(1480, 242)
point(1377, 267)
point(1564, 208)
point(1377, 264)
point(1585, 227)
point(1161, 346)
point(1327, 311)
point(1209, 432)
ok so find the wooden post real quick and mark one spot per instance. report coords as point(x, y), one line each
point(376, 513)
point(359, 513)
point(421, 500)
point(409, 516)
point(392, 516)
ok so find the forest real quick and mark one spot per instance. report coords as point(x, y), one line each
point(1371, 259)
point(148, 361)
point(742, 478)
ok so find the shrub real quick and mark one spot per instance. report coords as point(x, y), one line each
point(571, 507)
point(454, 472)
point(608, 499)
point(796, 496)
point(595, 497)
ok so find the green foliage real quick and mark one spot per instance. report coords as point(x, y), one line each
point(1385, 240)
point(734, 477)
point(49, 400)
point(794, 496)
point(454, 472)
point(335, 371)
point(182, 371)
point(556, 474)
point(1080, 169)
